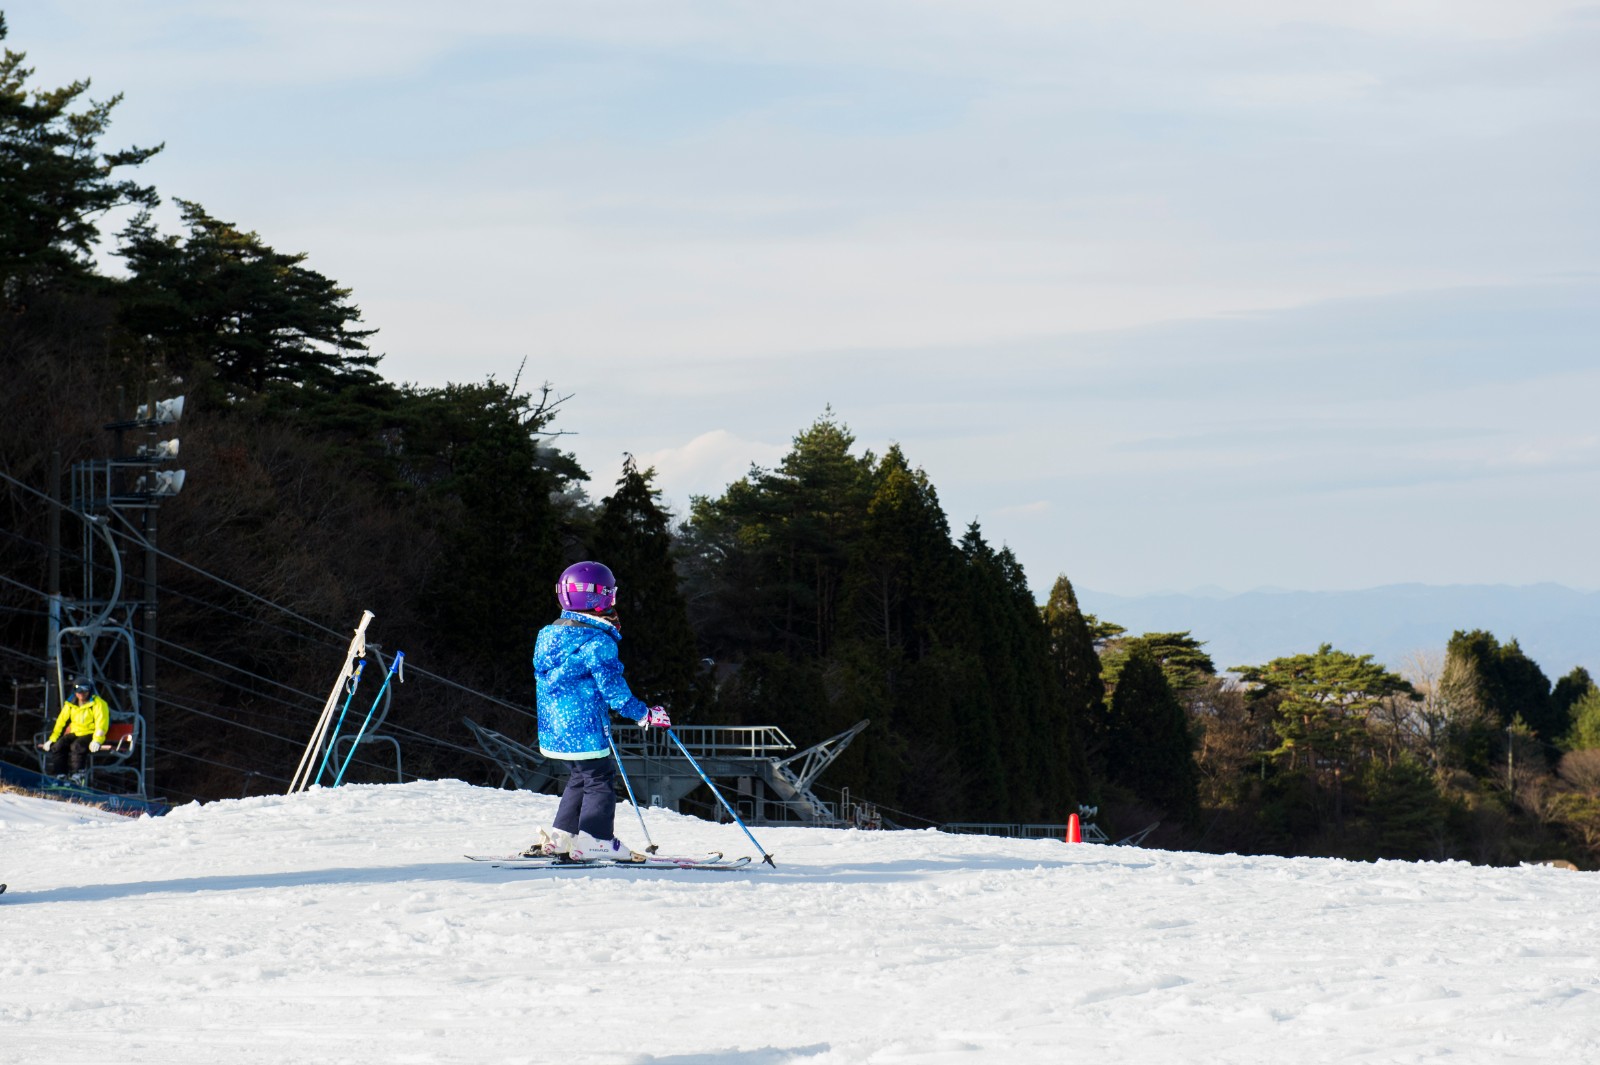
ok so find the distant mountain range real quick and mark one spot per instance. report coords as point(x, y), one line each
point(1557, 627)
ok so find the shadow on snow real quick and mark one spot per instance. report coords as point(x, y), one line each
point(885, 872)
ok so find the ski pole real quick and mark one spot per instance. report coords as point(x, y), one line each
point(358, 649)
point(355, 682)
point(394, 667)
point(651, 849)
point(764, 855)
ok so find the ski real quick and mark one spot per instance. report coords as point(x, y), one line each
point(708, 858)
point(712, 861)
point(606, 863)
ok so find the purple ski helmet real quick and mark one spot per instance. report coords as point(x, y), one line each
point(587, 586)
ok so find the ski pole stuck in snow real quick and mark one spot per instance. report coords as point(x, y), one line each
point(355, 682)
point(357, 649)
point(394, 667)
point(651, 844)
point(764, 855)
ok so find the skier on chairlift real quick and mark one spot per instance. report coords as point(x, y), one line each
point(80, 731)
point(580, 685)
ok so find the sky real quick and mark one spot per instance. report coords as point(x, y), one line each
point(343, 926)
point(1164, 295)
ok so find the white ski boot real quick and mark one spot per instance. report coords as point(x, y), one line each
point(585, 848)
point(553, 843)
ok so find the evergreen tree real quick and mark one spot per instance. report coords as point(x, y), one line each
point(1568, 690)
point(493, 488)
point(1324, 703)
point(1103, 631)
point(1471, 725)
point(988, 744)
point(1017, 739)
point(1186, 666)
point(1526, 692)
point(792, 529)
point(844, 565)
point(1500, 678)
point(1046, 746)
point(902, 566)
point(55, 182)
point(632, 537)
point(1150, 749)
point(1585, 731)
point(1077, 668)
point(222, 299)
point(1403, 812)
point(894, 627)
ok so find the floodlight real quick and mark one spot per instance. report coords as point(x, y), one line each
point(160, 483)
point(162, 412)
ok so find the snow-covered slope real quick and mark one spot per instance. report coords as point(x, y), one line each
point(343, 926)
point(19, 810)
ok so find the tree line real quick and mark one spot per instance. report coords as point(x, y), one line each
point(815, 593)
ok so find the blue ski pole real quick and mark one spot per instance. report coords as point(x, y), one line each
point(355, 682)
point(764, 855)
point(394, 667)
point(651, 849)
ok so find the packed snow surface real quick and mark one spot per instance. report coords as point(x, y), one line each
point(344, 926)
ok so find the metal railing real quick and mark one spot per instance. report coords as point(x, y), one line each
point(1092, 833)
point(707, 741)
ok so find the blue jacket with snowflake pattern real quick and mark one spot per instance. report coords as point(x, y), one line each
point(579, 679)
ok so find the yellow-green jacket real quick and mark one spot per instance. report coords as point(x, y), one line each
point(90, 719)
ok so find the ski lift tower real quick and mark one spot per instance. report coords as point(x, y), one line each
point(106, 635)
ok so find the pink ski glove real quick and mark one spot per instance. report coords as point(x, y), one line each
point(657, 718)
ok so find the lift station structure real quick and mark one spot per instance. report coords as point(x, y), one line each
point(765, 778)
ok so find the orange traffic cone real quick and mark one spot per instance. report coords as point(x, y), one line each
point(1074, 830)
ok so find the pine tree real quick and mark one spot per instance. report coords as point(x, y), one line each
point(221, 299)
point(632, 536)
point(788, 534)
point(1324, 703)
point(55, 183)
point(493, 487)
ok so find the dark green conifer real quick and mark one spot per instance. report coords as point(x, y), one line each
point(632, 536)
point(55, 182)
point(1150, 749)
point(1077, 670)
point(220, 299)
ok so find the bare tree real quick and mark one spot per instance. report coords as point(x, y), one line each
point(1581, 769)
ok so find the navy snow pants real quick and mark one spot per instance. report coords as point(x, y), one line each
point(589, 803)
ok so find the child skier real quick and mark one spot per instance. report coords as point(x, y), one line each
point(580, 685)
